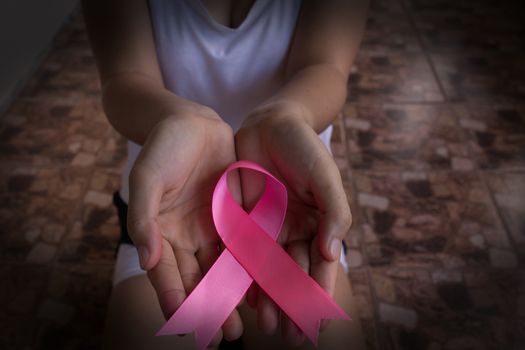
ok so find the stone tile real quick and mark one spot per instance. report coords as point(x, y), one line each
point(24, 302)
point(58, 284)
point(52, 233)
point(21, 286)
point(389, 29)
point(422, 228)
point(27, 221)
point(56, 121)
point(397, 315)
point(451, 26)
point(92, 238)
point(42, 253)
point(509, 193)
point(481, 78)
point(390, 76)
point(66, 183)
point(425, 313)
point(373, 201)
point(365, 305)
point(462, 164)
point(39, 308)
point(503, 258)
point(405, 137)
point(83, 159)
point(384, 287)
point(98, 198)
point(444, 276)
point(354, 258)
point(113, 152)
point(56, 311)
point(501, 143)
point(48, 138)
point(31, 235)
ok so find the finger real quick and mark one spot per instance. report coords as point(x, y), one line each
point(324, 272)
point(166, 281)
point(267, 314)
point(189, 268)
point(336, 219)
point(232, 327)
point(299, 252)
point(145, 193)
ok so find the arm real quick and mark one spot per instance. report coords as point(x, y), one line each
point(325, 44)
point(281, 134)
point(133, 93)
point(185, 146)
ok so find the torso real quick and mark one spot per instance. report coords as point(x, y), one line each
point(229, 13)
point(230, 58)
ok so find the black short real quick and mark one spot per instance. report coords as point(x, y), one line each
point(122, 210)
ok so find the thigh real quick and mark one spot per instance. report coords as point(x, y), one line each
point(134, 316)
point(338, 335)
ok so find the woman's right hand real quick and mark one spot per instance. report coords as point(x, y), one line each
point(169, 217)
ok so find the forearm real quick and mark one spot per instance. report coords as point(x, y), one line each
point(325, 45)
point(315, 94)
point(134, 104)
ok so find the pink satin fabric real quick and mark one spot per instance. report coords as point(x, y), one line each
point(251, 254)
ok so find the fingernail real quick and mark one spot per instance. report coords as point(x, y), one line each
point(143, 256)
point(335, 246)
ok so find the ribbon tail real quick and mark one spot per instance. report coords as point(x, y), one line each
point(204, 311)
point(293, 290)
point(182, 324)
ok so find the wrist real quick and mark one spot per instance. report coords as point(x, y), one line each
point(194, 120)
point(278, 113)
point(187, 113)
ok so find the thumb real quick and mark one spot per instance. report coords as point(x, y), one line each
point(330, 197)
point(145, 192)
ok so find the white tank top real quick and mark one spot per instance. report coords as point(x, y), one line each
point(231, 70)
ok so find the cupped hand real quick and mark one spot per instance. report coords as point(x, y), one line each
point(169, 217)
point(318, 215)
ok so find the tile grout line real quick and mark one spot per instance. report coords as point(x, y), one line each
point(380, 337)
point(424, 50)
point(499, 212)
point(77, 211)
point(364, 264)
point(482, 175)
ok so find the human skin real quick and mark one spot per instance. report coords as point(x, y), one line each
point(280, 134)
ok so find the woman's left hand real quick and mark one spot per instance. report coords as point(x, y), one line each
point(318, 215)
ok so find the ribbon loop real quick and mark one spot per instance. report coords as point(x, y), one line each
point(252, 254)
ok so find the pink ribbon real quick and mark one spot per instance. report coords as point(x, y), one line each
point(251, 253)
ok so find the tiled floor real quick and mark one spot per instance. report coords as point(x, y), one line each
point(431, 146)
